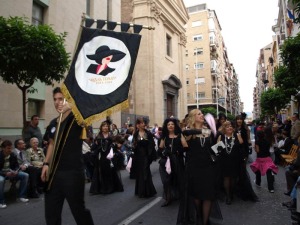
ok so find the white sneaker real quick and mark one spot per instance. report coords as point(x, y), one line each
point(24, 200)
point(3, 206)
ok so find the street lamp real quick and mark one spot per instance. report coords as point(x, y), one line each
point(197, 95)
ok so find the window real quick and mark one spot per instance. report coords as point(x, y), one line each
point(186, 52)
point(33, 107)
point(200, 80)
point(37, 14)
point(169, 45)
point(187, 67)
point(188, 96)
point(199, 65)
point(198, 37)
point(197, 23)
point(200, 95)
point(88, 7)
point(198, 51)
point(187, 81)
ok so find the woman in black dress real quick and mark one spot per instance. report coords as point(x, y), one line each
point(244, 187)
point(105, 178)
point(144, 154)
point(172, 146)
point(201, 171)
point(230, 158)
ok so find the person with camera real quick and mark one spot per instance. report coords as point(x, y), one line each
point(171, 148)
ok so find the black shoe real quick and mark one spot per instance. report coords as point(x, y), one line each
point(287, 204)
point(228, 201)
point(295, 217)
point(33, 195)
point(287, 193)
point(166, 203)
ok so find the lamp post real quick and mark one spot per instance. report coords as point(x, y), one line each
point(197, 94)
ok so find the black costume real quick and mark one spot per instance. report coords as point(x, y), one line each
point(173, 182)
point(200, 179)
point(144, 154)
point(67, 179)
point(230, 156)
point(106, 177)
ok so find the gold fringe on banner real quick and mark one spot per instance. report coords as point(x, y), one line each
point(88, 121)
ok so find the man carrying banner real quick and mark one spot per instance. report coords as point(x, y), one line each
point(66, 179)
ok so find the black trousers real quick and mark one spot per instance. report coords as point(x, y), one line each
point(67, 185)
point(270, 179)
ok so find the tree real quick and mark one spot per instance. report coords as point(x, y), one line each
point(272, 100)
point(30, 53)
point(287, 76)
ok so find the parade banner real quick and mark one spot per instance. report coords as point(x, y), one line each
point(98, 81)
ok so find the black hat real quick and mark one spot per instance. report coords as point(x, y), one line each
point(104, 51)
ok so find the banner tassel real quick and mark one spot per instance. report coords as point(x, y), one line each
point(83, 134)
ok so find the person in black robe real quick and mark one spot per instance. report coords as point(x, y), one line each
point(144, 154)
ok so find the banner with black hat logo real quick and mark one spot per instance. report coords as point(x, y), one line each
point(100, 74)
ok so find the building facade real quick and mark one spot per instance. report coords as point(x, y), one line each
point(269, 59)
point(158, 86)
point(210, 77)
point(63, 16)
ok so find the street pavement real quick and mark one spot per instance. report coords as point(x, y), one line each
point(125, 208)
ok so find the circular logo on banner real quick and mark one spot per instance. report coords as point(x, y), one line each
point(102, 65)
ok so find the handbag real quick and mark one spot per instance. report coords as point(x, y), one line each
point(129, 164)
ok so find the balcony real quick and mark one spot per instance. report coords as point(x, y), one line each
point(213, 43)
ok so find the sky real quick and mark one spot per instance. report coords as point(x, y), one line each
point(246, 28)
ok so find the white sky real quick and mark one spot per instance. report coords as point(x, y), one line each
point(246, 28)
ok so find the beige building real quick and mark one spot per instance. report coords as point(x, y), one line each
point(269, 59)
point(262, 78)
point(64, 16)
point(210, 77)
point(158, 87)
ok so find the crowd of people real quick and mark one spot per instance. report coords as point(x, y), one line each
point(200, 161)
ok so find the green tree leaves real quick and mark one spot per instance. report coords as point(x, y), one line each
point(29, 53)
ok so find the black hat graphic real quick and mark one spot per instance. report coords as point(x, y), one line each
point(104, 51)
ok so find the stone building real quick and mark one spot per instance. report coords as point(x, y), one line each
point(158, 86)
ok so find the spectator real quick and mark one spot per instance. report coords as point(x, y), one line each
point(295, 130)
point(114, 130)
point(9, 169)
point(87, 158)
point(124, 128)
point(292, 172)
point(27, 167)
point(33, 131)
point(35, 154)
point(287, 126)
point(283, 147)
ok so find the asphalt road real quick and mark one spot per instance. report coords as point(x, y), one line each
point(125, 208)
